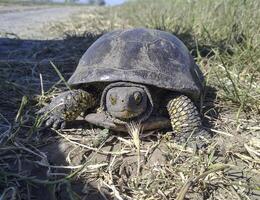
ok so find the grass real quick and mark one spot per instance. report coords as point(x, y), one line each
point(223, 37)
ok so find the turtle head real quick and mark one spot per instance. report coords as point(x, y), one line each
point(126, 103)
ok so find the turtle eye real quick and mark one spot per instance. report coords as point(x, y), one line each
point(138, 97)
point(112, 99)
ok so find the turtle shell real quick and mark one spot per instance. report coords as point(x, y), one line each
point(140, 55)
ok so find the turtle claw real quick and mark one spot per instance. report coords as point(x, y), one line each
point(49, 122)
point(198, 140)
point(198, 144)
point(201, 143)
point(63, 125)
point(55, 122)
point(66, 107)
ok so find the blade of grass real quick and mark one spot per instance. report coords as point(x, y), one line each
point(60, 75)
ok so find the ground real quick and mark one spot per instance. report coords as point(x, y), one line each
point(93, 163)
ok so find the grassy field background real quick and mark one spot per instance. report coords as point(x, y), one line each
point(223, 36)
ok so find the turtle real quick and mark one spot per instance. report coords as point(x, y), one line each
point(139, 75)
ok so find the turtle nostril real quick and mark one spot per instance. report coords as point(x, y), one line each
point(122, 101)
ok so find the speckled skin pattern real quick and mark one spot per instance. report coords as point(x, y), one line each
point(183, 114)
point(67, 107)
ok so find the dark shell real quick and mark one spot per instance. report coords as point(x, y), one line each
point(140, 55)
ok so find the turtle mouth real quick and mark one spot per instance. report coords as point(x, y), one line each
point(124, 114)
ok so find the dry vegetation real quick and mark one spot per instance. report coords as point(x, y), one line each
point(223, 36)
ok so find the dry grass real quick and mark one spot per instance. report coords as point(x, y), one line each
point(223, 36)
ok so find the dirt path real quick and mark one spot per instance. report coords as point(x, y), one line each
point(29, 22)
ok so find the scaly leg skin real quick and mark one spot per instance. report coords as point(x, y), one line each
point(67, 107)
point(186, 122)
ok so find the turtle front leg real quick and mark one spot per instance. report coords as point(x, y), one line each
point(185, 119)
point(67, 107)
